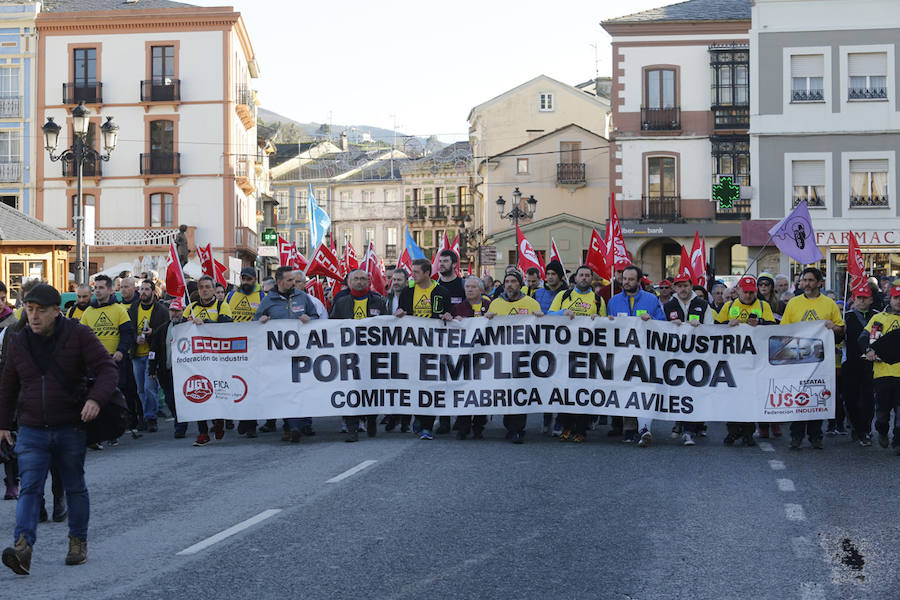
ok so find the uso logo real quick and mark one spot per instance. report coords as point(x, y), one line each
point(198, 389)
point(211, 345)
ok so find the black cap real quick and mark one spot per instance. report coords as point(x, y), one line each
point(556, 267)
point(43, 294)
point(515, 274)
point(248, 272)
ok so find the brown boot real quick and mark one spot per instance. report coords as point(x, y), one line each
point(18, 558)
point(77, 551)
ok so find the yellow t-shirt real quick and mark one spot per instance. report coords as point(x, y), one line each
point(582, 304)
point(476, 308)
point(735, 309)
point(207, 313)
point(821, 308)
point(421, 301)
point(105, 322)
point(243, 306)
point(361, 308)
point(889, 322)
point(75, 312)
point(523, 306)
point(143, 320)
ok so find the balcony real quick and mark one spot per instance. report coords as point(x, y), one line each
point(731, 117)
point(415, 213)
point(661, 209)
point(90, 169)
point(10, 172)
point(10, 106)
point(245, 105)
point(869, 201)
point(160, 90)
point(807, 95)
point(873, 93)
point(161, 163)
point(660, 119)
point(463, 212)
point(570, 173)
point(390, 252)
point(740, 211)
point(131, 237)
point(244, 173)
point(244, 237)
point(89, 93)
point(437, 212)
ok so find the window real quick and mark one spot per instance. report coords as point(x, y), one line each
point(284, 234)
point(545, 102)
point(427, 239)
point(10, 201)
point(321, 196)
point(391, 235)
point(283, 200)
point(417, 237)
point(300, 207)
point(462, 192)
point(570, 152)
point(438, 196)
point(162, 210)
point(346, 198)
point(9, 147)
point(660, 89)
point(868, 76)
point(370, 237)
point(868, 183)
point(85, 67)
point(731, 157)
point(660, 176)
point(162, 137)
point(368, 196)
point(390, 196)
point(417, 196)
point(730, 77)
point(284, 213)
point(390, 247)
point(809, 182)
point(521, 166)
point(162, 64)
point(301, 238)
point(9, 92)
point(807, 78)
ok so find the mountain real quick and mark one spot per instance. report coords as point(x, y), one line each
point(355, 133)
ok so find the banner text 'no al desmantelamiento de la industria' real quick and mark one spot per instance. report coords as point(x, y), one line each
point(526, 364)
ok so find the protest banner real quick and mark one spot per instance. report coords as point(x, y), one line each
point(505, 365)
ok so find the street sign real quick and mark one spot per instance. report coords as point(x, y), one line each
point(270, 237)
point(489, 255)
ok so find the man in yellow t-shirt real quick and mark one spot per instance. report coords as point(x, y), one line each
point(514, 302)
point(82, 301)
point(812, 306)
point(887, 376)
point(245, 299)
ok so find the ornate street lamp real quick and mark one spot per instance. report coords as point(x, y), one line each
point(517, 213)
point(78, 154)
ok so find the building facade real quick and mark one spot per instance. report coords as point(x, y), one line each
point(176, 78)
point(18, 45)
point(826, 128)
point(681, 113)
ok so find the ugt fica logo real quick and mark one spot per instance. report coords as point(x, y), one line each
point(198, 389)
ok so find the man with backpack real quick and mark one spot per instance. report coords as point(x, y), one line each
point(50, 351)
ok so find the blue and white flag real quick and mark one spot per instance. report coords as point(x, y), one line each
point(414, 250)
point(319, 221)
point(795, 237)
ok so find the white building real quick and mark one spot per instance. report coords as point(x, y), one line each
point(176, 79)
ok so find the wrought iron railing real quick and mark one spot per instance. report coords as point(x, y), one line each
point(10, 106)
point(131, 237)
point(660, 119)
point(160, 90)
point(570, 173)
point(863, 201)
point(161, 163)
point(10, 172)
point(662, 208)
point(89, 93)
point(415, 213)
point(807, 95)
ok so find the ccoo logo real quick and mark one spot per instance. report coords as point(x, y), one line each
point(198, 389)
point(184, 345)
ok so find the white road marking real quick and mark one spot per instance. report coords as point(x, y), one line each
point(812, 591)
point(230, 532)
point(350, 472)
point(766, 447)
point(776, 465)
point(802, 547)
point(794, 512)
point(786, 485)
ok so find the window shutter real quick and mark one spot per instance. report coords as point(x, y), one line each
point(807, 65)
point(869, 166)
point(860, 64)
point(809, 172)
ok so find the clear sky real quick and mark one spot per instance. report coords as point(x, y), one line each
point(426, 63)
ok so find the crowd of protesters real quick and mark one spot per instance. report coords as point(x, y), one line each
point(132, 318)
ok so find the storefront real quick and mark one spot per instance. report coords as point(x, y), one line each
point(31, 250)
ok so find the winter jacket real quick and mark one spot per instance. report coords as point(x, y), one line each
point(643, 301)
point(343, 306)
point(40, 398)
point(277, 306)
point(158, 318)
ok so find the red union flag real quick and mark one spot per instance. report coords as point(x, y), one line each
point(618, 252)
point(445, 245)
point(372, 266)
point(596, 256)
point(554, 253)
point(527, 256)
point(284, 252)
point(349, 261)
point(855, 264)
point(324, 262)
point(298, 261)
point(315, 288)
point(698, 262)
point(175, 285)
point(405, 261)
point(220, 272)
point(207, 265)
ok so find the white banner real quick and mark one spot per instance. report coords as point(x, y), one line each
point(504, 365)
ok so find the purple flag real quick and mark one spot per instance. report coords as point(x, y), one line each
point(795, 237)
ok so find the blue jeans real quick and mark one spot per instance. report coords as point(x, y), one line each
point(37, 448)
point(147, 387)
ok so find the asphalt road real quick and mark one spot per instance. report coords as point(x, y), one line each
point(477, 519)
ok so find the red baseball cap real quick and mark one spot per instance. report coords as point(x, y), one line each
point(176, 304)
point(747, 283)
point(895, 291)
point(684, 274)
point(862, 291)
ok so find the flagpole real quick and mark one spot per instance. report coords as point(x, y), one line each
point(846, 279)
point(758, 254)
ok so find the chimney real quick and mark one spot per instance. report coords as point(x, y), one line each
point(344, 144)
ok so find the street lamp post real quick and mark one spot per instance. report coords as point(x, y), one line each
point(516, 213)
point(78, 154)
